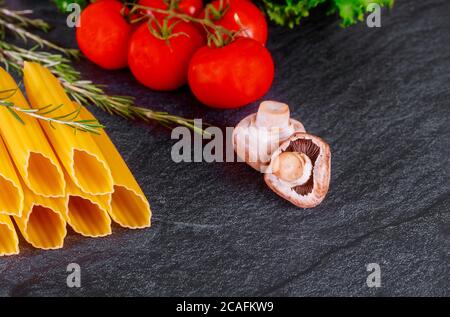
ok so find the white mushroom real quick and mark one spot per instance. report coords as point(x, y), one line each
point(258, 135)
point(300, 170)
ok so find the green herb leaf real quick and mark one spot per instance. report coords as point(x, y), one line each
point(69, 119)
point(62, 4)
point(290, 12)
point(15, 115)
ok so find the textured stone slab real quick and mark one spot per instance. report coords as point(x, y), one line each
point(380, 97)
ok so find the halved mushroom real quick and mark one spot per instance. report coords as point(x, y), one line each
point(300, 170)
point(258, 135)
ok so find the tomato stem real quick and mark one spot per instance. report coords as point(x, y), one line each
point(217, 34)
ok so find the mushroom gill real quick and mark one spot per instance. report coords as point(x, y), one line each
point(312, 151)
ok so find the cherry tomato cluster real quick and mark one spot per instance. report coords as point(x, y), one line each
point(164, 53)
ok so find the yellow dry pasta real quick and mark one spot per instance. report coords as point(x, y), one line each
point(29, 149)
point(43, 223)
point(11, 193)
point(9, 242)
point(87, 214)
point(128, 206)
point(78, 152)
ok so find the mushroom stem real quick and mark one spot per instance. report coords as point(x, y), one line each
point(293, 167)
point(272, 114)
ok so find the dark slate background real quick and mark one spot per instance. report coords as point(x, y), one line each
point(380, 97)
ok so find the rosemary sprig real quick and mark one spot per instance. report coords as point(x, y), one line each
point(84, 92)
point(26, 35)
point(13, 57)
point(21, 17)
point(70, 119)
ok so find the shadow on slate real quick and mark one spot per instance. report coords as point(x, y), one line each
point(380, 97)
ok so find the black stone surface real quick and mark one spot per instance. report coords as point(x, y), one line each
point(380, 97)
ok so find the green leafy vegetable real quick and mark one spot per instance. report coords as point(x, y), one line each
point(352, 11)
point(290, 12)
point(62, 4)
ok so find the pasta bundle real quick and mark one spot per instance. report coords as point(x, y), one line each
point(51, 176)
point(26, 142)
point(80, 156)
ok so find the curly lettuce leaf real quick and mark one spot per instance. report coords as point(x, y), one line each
point(290, 12)
point(352, 11)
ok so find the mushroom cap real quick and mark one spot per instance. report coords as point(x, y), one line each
point(258, 135)
point(311, 193)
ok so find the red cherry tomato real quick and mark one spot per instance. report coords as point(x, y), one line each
point(242, 15)
point(104, 34)
point(231, 76)
point(189, 7)
point(160, 64)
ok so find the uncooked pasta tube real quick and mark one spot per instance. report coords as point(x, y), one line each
point(129, 207)
point(42, 223)
point(9, 242)
point(11, 193)
point(29, 149)
point(87, 214)
point(78, 152)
